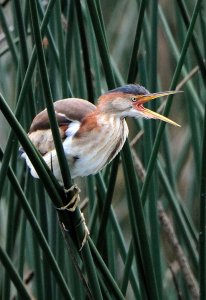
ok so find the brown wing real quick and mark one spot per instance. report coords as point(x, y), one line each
point(67, 110)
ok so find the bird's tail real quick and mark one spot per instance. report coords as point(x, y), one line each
point(28, 162)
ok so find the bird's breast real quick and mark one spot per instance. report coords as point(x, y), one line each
point(89, 152)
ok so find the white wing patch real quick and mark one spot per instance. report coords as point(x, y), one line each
point(72, 129)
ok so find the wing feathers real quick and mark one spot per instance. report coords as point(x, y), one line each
point(67, 110)
point(69, 114)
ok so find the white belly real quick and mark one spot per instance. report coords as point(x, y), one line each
point(92, 152)
point(96, 150)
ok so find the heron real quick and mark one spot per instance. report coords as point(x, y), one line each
point(91, 135)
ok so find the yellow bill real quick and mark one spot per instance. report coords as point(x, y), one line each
point(149, 113)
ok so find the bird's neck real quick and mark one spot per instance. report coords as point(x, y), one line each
point(95, 120)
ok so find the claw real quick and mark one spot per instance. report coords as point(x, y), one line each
point(86, 231)
point(74, 201)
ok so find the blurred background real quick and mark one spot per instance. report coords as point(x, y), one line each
point(91, 47)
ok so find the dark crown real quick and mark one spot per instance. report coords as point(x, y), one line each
point(134, 89)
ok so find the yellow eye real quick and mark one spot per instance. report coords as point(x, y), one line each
point(133, 99)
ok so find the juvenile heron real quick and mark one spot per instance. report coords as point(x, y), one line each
point(91, 135)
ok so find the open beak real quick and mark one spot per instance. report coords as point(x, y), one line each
point(138, 105)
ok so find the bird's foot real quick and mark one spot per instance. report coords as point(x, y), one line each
point(74, 201)
point(86, 230)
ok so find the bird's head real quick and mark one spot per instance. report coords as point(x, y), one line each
point(128, 101)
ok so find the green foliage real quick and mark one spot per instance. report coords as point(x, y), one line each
point(146, 212)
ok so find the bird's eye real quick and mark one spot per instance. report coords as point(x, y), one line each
point(133, 99)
